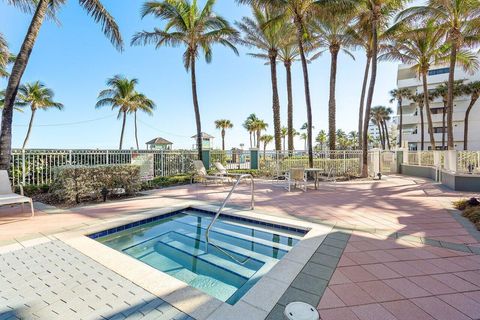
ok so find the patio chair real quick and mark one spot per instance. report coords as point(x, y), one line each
point(8, 197)
point(296, 176)
point(202, 176)
point(221, 169)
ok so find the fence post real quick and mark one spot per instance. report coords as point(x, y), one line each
point(419, 157)
point(254, 159)
point(376, 161)
point(399, 161)
point(108, 160)
point(23, 166)
point(70, 157)
point(344, 162)
point(206, 158)
point(405, 155)
point(451, 160)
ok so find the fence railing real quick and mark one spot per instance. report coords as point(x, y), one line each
point(421, 158)
point(468, 162)
point(342, 163)
point(37, 167)
point(231, 159)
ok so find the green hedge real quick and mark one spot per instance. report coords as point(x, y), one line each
point(162, 182)
point(74, 183)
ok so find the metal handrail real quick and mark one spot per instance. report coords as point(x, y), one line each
point(252, 206)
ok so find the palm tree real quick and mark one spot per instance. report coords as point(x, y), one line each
point(143, 104)
point(375, 12)
point(18, 106)
point(332, 32)
point(399, 95)
point(38, 97)
point(247, 124)
point(472, 89)
point(43, 8)
point(322, 138)
point(197, 29)
point(376, 117)
point(266, 139)
point(258, 126)
point(266, 33)
point(386, 113)
point(419, 99)
point(5, 57)
point(460, 20)
point(223, 124)
point(121, 94)
point(353, 137)
point(304, 137)
point(284, 134)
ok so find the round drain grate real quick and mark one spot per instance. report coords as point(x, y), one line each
point(301, 311)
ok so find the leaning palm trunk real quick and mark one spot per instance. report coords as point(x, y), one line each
point(380, 134)
point(18, 69)
point(307, 90)
point(331, 102)
point(444, 121)
point(223, 139)
point(196, 108)
point(422, 127)
point(288, 68)
point(30, 124)
point(429, 113)
point(387, 136)
point(473, 100)
point(124, 121)
point(400, 133)
point(362, 102)
point(275, 102)
point(136, 131)
point(368, 107)
point(451, 84)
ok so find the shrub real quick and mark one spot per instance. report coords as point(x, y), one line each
point(460, 204)
point(160, 182)
point(473, 214)
point(73, 183)
point(32, 190)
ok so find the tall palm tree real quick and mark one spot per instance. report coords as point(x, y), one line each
point(375, 12)
point(304, 137)
point(18, 106)
point(472, 89)
point(322, 138)
point(121, 94)
point(418, 44)
point(38, 97)
point(266, 139)
point(247, 124)
point(332, 32)
point(5, 57)
point(223, 124)
point(43, 8)
point(197, 29)
point(376, 117)
point(258, 126)
point(400, 94)
point(143, 104)
point(460, 20)
point(265, 32)
point(419, 100)
point(386, 116)
point(284, 135)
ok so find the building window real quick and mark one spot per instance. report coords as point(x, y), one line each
point(436, 110)
point(438, 129)
point(438, 71)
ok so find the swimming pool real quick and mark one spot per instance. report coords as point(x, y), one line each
point(239, 253)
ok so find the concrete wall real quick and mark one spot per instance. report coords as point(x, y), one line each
point(461, 182)
point(419, 171)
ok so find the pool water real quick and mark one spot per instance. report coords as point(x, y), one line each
point(239, 253)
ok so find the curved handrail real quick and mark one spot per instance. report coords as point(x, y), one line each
point(252, 206)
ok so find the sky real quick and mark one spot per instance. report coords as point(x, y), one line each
point(75, 59)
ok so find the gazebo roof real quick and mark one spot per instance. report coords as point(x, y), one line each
point(204, 136)
point(159, 141)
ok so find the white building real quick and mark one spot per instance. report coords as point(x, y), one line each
point(407, 78)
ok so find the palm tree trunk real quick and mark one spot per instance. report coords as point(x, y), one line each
point(29, 128)
point(18, 69)
point(288, 68)
point(429, 113)
point(306, 82)
point(473, 100)
point(371, 90)
point(331, 101)
point(223, 139)
point(250, 133)
point(380, 133)
point(259, 134)
point(444, 116)
point(400, 142)
point(283, 141)
point(196, 107)
point(422, 128)
point(123, 129)
point(136, 130)
point(275, 102)
point(451, 84)
point(362, 101)
point(387, 136)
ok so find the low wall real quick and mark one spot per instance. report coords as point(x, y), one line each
point(461, 182)
point(419, 171)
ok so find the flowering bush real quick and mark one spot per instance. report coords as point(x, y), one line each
point(74, 183)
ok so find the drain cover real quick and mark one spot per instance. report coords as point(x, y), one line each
point(301, 311)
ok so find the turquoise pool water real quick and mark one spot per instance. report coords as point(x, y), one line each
point(176, 245)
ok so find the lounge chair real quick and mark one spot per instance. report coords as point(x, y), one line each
point(8, 197)
point(201, 174)
point(221, 169)
point(296, 176)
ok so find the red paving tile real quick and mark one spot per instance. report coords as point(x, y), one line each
point(338, 314)
point(406, 310)
point(351, 294)
point(432, 285)
point(372, 312)
point(379, 291)
point(463, 303)
point(406, 288)
point(439, 309)
point(330, 300)
point(455, 282)
point(381, 271)
point(357, 273)
point(405, 269)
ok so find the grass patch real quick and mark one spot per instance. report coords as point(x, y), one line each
point(470, 209)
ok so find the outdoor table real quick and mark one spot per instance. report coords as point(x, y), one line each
point(315, 172)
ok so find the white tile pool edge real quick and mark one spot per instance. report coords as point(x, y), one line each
point(255, 304)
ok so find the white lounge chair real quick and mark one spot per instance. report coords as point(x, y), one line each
point(296, 176)
point(221, 169)
point(201, 174)
point(8, 197)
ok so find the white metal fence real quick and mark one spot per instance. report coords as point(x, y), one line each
point(231, 159)
point(37, 167)
point(468, 162)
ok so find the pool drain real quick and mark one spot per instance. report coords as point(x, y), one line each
point(301, 311)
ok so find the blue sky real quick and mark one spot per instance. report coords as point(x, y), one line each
point(75, 59)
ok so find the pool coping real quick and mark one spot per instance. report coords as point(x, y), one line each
point(257, 303)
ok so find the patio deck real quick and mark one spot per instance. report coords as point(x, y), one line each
point(396, 251)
